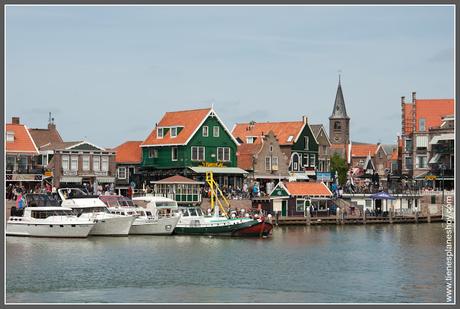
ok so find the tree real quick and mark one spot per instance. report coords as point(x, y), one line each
point(339, 165)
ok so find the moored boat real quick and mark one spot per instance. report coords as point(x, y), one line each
point(91, 207)
point(149, 219)
point(47, 220)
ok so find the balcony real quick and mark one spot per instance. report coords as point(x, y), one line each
point(23, 169)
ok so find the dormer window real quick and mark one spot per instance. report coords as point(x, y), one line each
point(421, 124)
point(250, 140)
point(10, 136)
point(173, 132)
point(290, 138)
point(160, 132)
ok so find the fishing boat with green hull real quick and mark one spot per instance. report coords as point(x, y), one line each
point(194, 222)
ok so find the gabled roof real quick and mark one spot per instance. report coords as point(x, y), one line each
point(339, 111)
point(72, 146)
point(316, 130)
point(363, 150)
point(246, 153)
point(177, 179)
point(129, 152)
point(308, 189)
point(388, 148)
point(189, 120)
point(44, 137)
point(369, 164)
point(287, 133)
point(23, 142)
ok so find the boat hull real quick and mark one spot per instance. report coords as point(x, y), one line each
point(222, 228)
point(260, 229)
point(163, 226)
point(60, 230)
point(115, 226)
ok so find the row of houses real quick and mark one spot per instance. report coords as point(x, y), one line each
point(191, 142)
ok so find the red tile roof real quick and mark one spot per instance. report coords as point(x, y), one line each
point(246, 153)
point(177, 179)
point(308, 188)
point(433, 111)
point(129, 152)
point(362, 150)
point(45, 137)
point(23, 142)
point(282, 130)
point(189, 120)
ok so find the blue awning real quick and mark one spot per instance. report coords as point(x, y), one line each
point(382, 196)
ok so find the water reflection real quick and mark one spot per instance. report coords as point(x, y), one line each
point(374, 263)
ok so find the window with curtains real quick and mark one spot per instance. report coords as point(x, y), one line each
point(85, 163)
point(105, 164)
point(74, 163)
point(96, 163)
point(65, 162)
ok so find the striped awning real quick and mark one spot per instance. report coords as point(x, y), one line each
point(442, 137)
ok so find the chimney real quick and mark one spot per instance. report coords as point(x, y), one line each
point(305, 119)
point(403, 100)
point(15, 120)
point(51, 126)
point(413, 97)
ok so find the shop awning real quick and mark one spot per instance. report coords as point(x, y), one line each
point(71, 179)
point(218, 170)
point(435, 159)
point(259, 176)
point(105, 179)
point(442, 137)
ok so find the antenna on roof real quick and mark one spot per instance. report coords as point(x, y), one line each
point(340, 73)
point(49, 118)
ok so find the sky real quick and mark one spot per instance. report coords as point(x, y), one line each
point(109, 73)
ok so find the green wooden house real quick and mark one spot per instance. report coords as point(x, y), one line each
point(296, 139)
point(189, 143)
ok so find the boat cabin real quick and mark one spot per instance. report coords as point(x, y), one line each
point(164, 206)
point(191, 211)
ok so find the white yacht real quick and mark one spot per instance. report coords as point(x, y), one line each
point(90, 206)
point(49, 220)
point(163, 211)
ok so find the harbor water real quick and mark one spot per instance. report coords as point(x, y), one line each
point(297, 264)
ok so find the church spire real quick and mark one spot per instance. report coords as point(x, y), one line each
point(339, 112)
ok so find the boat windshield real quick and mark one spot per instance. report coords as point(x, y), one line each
point(166, 204)
point(149, 214)
point(185, 212)
point(40, 200)
point(43, 214)
point(92, 209)
point(198, 210)
point(193, 212)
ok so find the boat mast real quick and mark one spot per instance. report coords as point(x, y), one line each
point(215, 192)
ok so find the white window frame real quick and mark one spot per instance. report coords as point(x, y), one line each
point(119, 174)
point(268, 163)
point(175, 132)
point(297, 205)
point(172, 153)
point(96, 163)
point(153, 153)
point(198, 153)
point(10, 136)
point(223, 154)
point(73, 159)
point(104, 163)
point(158, 132)
point(275, 159)
point(215, 131)
point(85, 159)
point(205, 131)
point(250, 140)
point(417, 161)
point(270, 148)
point(312, 159)
point(65, 162)
point(306, 140)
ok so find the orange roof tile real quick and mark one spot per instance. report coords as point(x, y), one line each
point(246, 153)
point(308, 188)
point(189, 120)
point(23, 142)
point(282, 130)
point(433, 111)
point(362, 150)
point(129, 152)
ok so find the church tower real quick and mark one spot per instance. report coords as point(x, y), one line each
point(339, 122)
